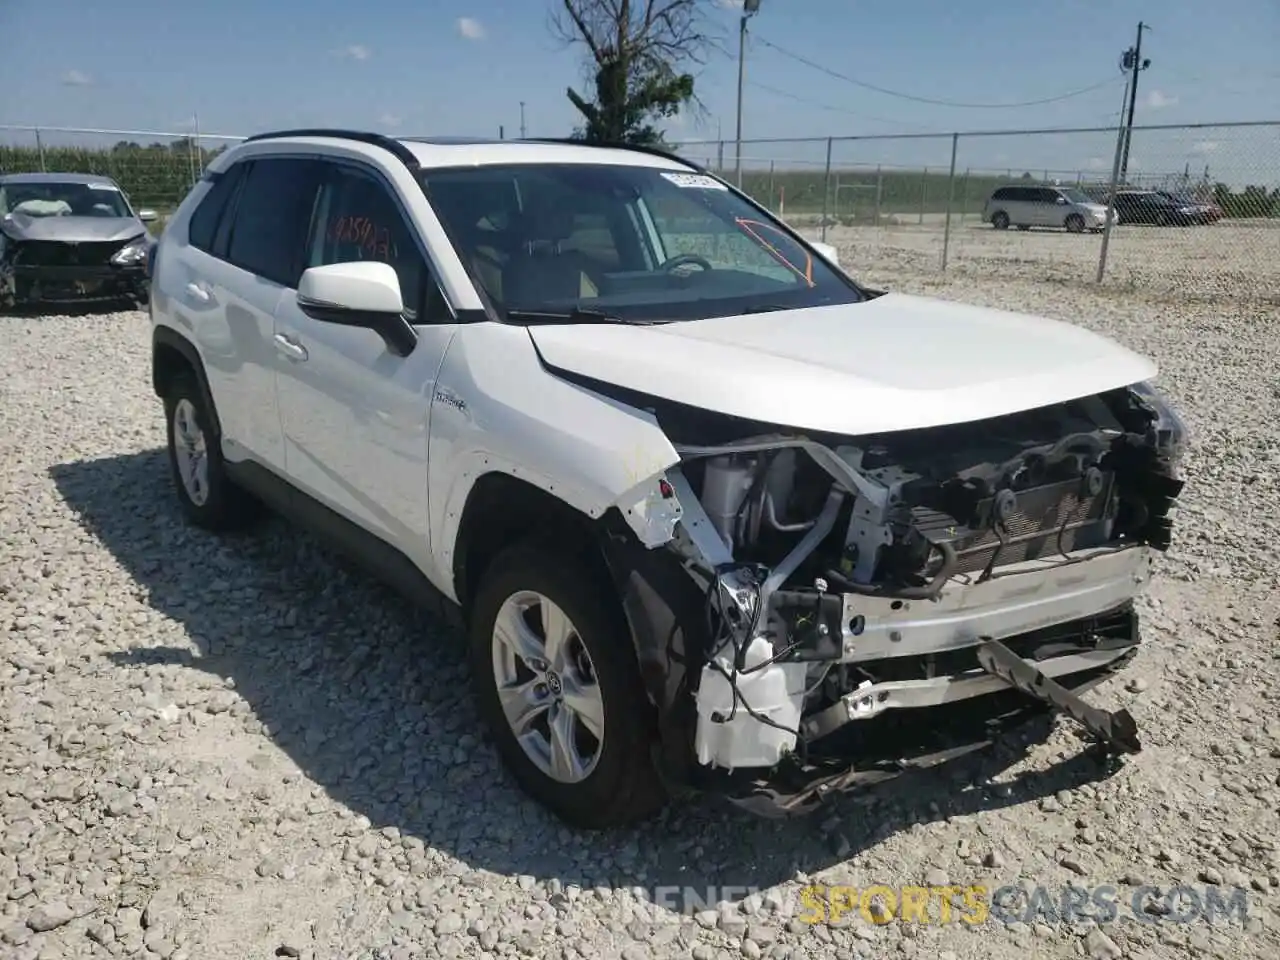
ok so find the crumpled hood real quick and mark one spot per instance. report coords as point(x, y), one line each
point(896, 362)
point(20, 226)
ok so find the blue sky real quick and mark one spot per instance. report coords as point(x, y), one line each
point(453, 67)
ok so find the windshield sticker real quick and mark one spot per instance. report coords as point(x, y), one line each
point(695, 181)
point(104, 186)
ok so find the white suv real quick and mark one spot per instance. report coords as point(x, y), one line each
point(714, 515)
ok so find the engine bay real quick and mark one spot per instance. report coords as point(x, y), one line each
point(819, 554)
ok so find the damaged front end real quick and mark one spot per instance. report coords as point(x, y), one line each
point(818, 613)
point(40, 271)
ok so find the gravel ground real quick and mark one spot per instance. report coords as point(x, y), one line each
point(237, 748)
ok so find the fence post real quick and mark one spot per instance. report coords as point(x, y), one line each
point(964, 193)
point(924, 192)
point(720, 158)
point(826, 189)
point(879, 190)
point(1111, 206)
point(40, 150)
point(771, 163)
point(951, 190)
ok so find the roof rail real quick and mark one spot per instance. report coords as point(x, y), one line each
point(390, 144)
point(636, 147)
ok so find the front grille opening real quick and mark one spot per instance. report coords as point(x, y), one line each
point(56, 253)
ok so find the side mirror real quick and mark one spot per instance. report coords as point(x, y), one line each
point(364, 293)
point(827, 252)
point(147, 216)
point(1061, 201)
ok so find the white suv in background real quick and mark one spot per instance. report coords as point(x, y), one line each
point(714, 515)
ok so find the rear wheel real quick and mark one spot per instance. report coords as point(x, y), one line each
point(558, 687)
point(1000, 220)
point(1075, 223)
point(206, 494)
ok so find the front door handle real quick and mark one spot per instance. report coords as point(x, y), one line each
point(292, 349)
point(199, 292)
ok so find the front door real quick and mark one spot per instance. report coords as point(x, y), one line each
point(355, 415)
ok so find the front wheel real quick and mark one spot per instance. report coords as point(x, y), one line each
point(1000, 220)
point(558, 687)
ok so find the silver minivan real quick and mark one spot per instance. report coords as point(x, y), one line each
point(1063, 208)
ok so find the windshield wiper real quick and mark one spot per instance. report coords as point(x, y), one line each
point(765, 308)
point(576, 315)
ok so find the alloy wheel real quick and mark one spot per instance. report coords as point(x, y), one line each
point(191, 452)
point(547, 687)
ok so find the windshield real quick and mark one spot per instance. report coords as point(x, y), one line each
point(1075, 196)
point(634, 243)
point(67, 199)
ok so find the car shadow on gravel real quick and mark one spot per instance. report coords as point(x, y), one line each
point(369, 698)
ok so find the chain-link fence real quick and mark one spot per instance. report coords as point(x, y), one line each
point(156, 169)
point(1198, 206)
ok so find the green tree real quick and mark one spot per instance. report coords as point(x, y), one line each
point(639, 52)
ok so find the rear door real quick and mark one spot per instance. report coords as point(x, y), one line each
point(1045, 209)
point(259, 257)
point(1020, 206)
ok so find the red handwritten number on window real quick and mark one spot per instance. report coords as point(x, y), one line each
point(371, 238)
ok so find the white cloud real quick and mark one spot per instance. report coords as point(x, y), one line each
point(357, 51)
point(76, 78)
point(389, 119)
point(1205, 146)
point(1158, 99)
point(471, 28)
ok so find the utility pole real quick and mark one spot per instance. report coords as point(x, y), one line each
point(1134, 63)
point(521, 119)
point(749, 9)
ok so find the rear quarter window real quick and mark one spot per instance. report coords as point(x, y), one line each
point(205, 217)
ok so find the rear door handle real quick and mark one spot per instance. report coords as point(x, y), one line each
point(199, 292)
point(294, 351)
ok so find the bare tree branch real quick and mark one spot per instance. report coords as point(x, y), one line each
point(641, 52)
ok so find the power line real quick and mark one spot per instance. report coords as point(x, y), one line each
point(826, 106)
point(940, 103)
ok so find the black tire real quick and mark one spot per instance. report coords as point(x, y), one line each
point(623, 787)
point(1024, 227)
point(1075, 223)
point(225, 506)
point(1000, 220)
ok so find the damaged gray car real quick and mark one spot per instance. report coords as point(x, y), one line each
point(70, 238)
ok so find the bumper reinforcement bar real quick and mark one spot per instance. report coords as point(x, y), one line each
point(1117, 729)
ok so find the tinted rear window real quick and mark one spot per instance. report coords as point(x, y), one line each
point(273, 214)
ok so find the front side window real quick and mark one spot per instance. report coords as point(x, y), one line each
point(638, 243)
point(63, 199)
point(356, 219)
point(1075, 195)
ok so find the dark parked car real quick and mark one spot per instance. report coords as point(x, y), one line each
point(1153, 207)
point(1206, 211)
point(70, 237)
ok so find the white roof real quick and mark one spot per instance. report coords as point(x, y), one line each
point(440, 153)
